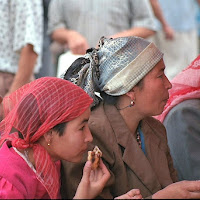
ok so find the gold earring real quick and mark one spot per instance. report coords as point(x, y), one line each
point(50, 139)
point(49, 143)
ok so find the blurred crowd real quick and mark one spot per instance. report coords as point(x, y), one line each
point(51, 28)
point(36, 34)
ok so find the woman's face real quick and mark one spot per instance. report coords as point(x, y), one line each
point(74, 142)
point(153, 95)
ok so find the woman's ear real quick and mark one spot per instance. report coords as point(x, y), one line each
point(131, 94)
point(48, 137)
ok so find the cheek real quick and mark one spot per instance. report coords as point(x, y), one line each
point(68, 152)
point(149, 101)
point(147, 98)
point(154, 93)
point(158, 104)
point(74, 144)
point(63, 147)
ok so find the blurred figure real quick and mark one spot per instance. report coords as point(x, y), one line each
point(183, 48)
point(181, 118)
point(167, 29)
point(21, 30)
point(198, 22)
point(78, 24)
point(47, 68)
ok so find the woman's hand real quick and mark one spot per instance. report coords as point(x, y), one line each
point(169, 32)
point(180, 190)
point(132, 194)
point(76, 42)
point(92, 182)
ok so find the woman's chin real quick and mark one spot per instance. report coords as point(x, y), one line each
point(78, 159)
point(158, 112)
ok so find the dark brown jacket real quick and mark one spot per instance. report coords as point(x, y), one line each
point(129, 166)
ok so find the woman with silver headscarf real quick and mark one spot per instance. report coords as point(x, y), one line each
point(128, 73)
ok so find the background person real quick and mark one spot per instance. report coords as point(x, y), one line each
point(184, 48)
point(77, 25)
point(181, 118)
point(47, 68)
point(167, 29)
point(21, 32)
point(129, 74)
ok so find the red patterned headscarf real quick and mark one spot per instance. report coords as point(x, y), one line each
point(185, 86)
point(33, 110)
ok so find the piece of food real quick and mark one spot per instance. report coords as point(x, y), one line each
point(94, 156)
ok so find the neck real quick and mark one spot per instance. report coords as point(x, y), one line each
point(130, 114)
point(29, 153)
point(131, 119)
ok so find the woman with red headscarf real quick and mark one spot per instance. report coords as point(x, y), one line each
point(45, 121)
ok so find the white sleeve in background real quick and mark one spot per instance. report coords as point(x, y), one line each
point(142, 14)
point(27, 24)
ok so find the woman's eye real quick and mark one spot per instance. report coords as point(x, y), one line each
point(82, 128)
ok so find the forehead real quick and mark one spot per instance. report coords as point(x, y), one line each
point(159, 67)
point(82, 118)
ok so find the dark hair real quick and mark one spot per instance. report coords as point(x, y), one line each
point(140, 84)
point(109, 99)
point(59, 128)
point(114, 99)
point(20, 135)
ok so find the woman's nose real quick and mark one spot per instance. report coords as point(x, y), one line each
point(168, 83)
point(88, 135)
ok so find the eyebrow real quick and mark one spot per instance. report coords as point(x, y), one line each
point(84, 121)
point(162, 69)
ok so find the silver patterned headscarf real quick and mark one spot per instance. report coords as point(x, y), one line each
point(115, 67)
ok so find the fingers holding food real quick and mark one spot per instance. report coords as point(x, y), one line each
point(94, 156)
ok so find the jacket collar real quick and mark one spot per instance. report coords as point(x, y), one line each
point(138, 162)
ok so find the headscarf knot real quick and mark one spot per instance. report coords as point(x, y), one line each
point(85, 73)
point(21, 143)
